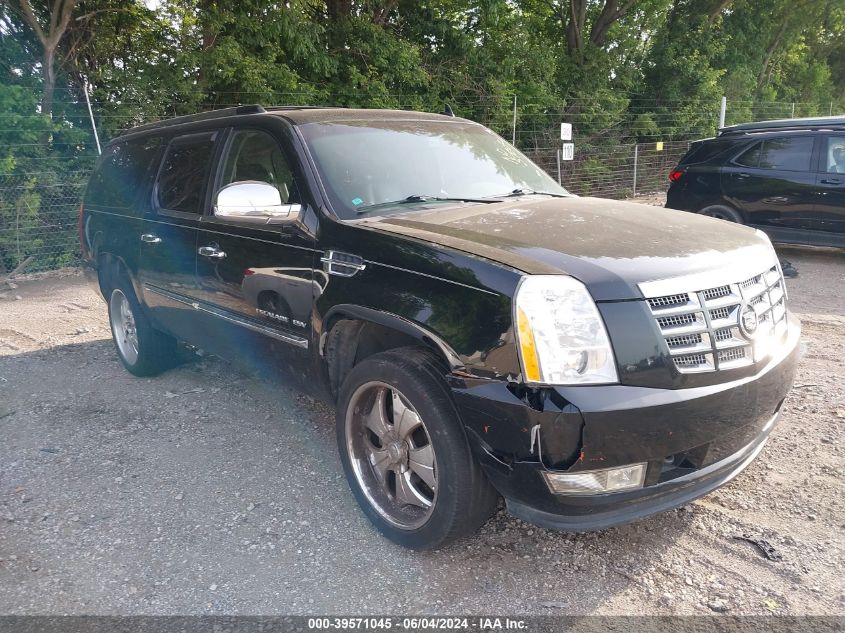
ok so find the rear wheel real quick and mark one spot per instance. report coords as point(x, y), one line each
point(721, 212)
point(404, 452)
point(143, 350)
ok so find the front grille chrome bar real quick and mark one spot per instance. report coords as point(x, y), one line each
point(719, 327)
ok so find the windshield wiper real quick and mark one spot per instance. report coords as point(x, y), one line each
point(421, 198)
point(528, 192)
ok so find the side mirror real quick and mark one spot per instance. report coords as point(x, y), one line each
point(255, 202)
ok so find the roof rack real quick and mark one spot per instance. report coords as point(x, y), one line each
point(201, 116)
point(782, 125)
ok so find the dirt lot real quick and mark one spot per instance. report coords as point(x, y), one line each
point(207, 491)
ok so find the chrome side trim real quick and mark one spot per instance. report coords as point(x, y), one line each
point(290, 339)
point(202, 226)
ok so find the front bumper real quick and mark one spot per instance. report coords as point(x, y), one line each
point(694, 440)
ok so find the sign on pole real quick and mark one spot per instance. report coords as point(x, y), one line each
point(567, 151)
point(565, 131)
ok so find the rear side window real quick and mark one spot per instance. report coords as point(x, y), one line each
point(750, 157)
point(787, 154)
point(184, 173)
point(704, 150)
point(784, 154)
point(121, 172)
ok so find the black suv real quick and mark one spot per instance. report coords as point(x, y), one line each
point(785, 177)
point(481, 331)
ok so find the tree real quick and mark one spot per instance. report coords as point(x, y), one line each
point(49, 22)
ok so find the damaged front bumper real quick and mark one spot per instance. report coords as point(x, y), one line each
point(692, 440)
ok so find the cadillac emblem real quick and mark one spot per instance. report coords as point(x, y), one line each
point(748, 321)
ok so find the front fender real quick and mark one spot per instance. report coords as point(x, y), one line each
point(394, 322)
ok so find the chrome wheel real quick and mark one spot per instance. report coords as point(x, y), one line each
point(391, 455)
point(123, 326)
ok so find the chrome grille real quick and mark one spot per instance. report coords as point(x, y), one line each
point(671, 300)
point(684, 341)
point(676, 321)
point(715, 293)
point(692, 360)
point(725, 334)
point(720, 313)
point(702, 326)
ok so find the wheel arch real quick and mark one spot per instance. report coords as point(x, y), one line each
point(351, 333)
point(109, 267)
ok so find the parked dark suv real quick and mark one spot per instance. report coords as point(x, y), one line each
point(481, 331)
point(785, 177)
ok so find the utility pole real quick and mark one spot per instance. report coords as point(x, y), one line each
point(722, 110)
point(636, 157)
point(513, 141)
point(91, 115)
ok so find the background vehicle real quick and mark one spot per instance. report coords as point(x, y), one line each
point(481, 331)
point(786, 177)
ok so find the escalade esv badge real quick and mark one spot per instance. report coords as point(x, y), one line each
point(480, 332)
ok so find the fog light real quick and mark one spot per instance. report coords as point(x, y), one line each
point(594, 482)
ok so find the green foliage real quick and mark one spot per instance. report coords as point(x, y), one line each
point(654, 71)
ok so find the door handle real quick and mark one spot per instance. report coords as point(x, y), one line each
point(150, 238)
point(743, 175)
point(211, 251)
point(831, 181)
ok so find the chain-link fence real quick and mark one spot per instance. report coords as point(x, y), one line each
point(39, 199)
point(39, 211)
point(617, 171)
point(38, 220)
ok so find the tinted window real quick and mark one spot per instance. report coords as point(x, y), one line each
point(255, 155)
point(184, 171)
point(787, 154)
point(835, 155)
point(120, 173)
point(704, 150)
point(750, 157)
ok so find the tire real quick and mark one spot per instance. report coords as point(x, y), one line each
point(383, 466)
point(722, 212)
point(143, 350)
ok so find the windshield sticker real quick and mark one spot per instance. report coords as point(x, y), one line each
point(357, 201)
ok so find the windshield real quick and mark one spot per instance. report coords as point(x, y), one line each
point(366, 163)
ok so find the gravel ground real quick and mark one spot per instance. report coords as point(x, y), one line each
point(206, 491)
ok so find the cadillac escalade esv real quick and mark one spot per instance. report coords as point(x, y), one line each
point(482, 332)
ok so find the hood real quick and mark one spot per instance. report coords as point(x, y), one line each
point(609, 245)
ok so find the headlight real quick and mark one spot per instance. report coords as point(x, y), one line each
point(562, 340)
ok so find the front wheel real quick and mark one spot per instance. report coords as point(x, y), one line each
point(143, 350)
point(404, 452)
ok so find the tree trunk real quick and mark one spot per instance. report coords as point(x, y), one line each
point(610, 15)
point(339, 9)
point(49, 79)
point(575, 27)
point(59, 19)
point(763, 77)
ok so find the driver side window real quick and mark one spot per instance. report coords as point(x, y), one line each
point(835, 155)
point(254, 155)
